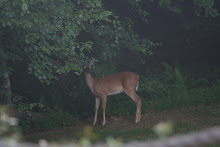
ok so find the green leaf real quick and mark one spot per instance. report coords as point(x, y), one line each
point(77, 73)
point(24, 7)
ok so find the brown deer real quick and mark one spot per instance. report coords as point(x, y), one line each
point(101, 87)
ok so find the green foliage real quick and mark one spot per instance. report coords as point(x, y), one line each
point(118, 37)
point(47, 33)
point(172, 90)
point(18, 102)
point(205, 95)
point(49, 120)
point(109, 70)
point(181, 89)
point(138, 7)
point(50, 35)
point(204, 8)
point(170, 5)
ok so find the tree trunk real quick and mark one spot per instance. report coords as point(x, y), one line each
point(5, 83)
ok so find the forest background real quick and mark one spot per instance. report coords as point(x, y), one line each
point(172, 44)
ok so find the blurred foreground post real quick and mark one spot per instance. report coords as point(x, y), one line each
point(202, 138)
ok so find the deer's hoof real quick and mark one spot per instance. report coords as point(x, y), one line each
point(103, 123)
point(136, 121)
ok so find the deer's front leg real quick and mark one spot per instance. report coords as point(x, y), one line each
point(97, 102)
point(104, 100)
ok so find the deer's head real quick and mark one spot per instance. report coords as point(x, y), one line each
point(87, 67)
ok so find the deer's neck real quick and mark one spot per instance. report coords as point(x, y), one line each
point(89, 80)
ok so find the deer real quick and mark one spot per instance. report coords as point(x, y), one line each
point(102, 87)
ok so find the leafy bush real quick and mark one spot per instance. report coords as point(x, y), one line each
point(172, 90)
point(49, 120)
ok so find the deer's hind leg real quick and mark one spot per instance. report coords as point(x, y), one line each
point(137, 99)
point(104, 101)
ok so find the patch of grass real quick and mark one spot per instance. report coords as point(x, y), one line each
point(126, 134)
point(185, 127)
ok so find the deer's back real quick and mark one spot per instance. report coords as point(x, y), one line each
point(116, 83)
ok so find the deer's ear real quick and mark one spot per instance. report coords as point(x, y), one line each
point(92, 62)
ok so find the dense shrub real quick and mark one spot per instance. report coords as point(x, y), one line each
point(45, 121)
